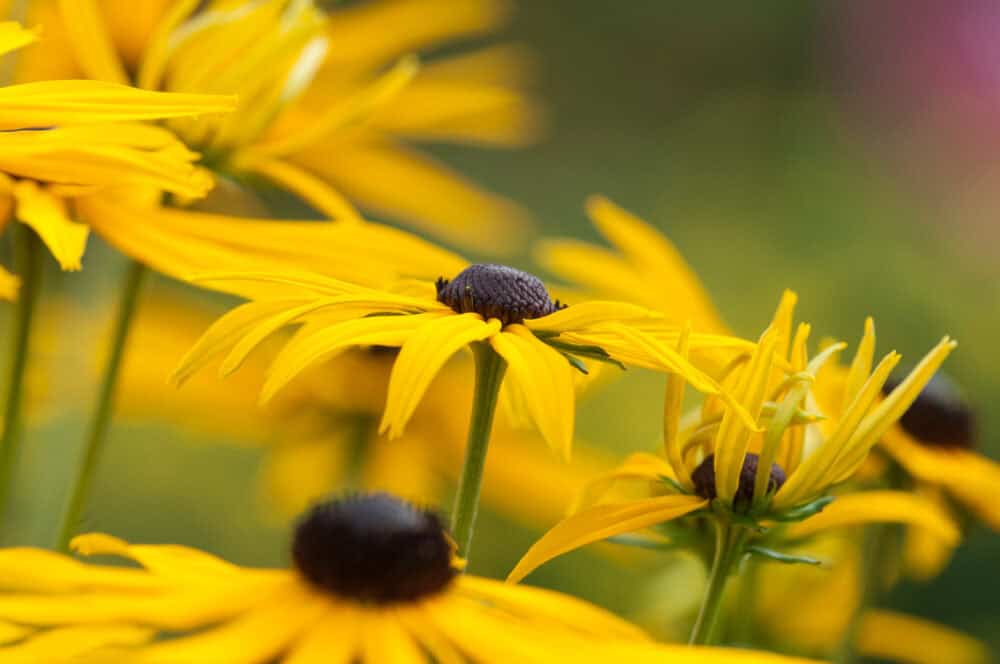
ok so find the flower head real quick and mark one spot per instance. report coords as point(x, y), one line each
point(330, 98)
point(374, 581)
point(505, 308)
point(781, 472)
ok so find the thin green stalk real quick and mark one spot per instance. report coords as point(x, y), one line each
point(28, 266)
point(98, 432)
point(868, 583)
point(490, 368)
point(728, 549)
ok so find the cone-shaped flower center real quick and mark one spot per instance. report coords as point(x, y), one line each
point(497, 291)
point(939, 416)
point(373, 548)
point(704, 480)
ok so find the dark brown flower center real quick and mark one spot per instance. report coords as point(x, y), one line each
point(939, 417)
point(373, 548)
point(704, 480)
point(497, 291)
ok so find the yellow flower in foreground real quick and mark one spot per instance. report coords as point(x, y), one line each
point(65, 141)
point(540, 340)
point(781, 473)
point(328, 102)
point(374, 581)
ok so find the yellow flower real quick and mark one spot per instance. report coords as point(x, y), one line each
point(374, 581)
point(67, 141)
point(328, 102)
point(780, 473)
point(320, 434)
point(540, 340)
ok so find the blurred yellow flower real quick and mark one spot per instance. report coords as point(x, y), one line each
point(374, 581)
point(329, 100)
point(510, 310)
point(64, 142)
point(778, 470)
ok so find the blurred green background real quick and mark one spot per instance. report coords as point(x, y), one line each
point(833, 148)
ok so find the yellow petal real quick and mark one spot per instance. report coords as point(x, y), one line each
point(46, 214)
point(421, 357)
point(543, 380)
point(91, 41)
point(332, 640)
point(308, 187)
point(9, 285)
point(385, 640)
point(42, 571)
point(324, 344)
point(74, 643)
point(13, 36)
point(157, 49)
point(897, 637)
point(637, 466)
point(861, 367)
point(601, 522)
point(880, 507)
point(171, 561)
point(587, 314)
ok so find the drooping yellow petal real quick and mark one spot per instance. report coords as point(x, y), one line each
point(601, 522)
point(637, 466)
point(91, 42)
point(897, 637)
point(64, 103)
point(308, 187)
point(385, 640)
point(421, 357)
point(543, 378)
point(14, 36)
point(171, 561)
point(880, 507)
point(302, 353)
point(9, 285)
point(673, 402)
point(158, 48)
point(925, 555)
point(39, 571)
point(437, 645)
point(588, 314)
point(47, 215)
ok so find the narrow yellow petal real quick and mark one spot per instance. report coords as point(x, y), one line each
point(601, 522)
point(783, 320)
point(310, 188)
point(880, 507)
point(861, 367)
point(897, 637)
point(544, 380)
point(66, 644)
point(637, 466)
point(40, 571)
point(332, 640)
point(673, 403)
point(14, 36)
point(304, 352)
point(154, 60)
point(9, 285)
point(385, 640)
point(91, 42)
point(47, 215)
point(421, 356)
point(587, 314)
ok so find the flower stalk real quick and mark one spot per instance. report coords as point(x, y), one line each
point(98, 431)
point(28, 265)
point(490, 368)
point(729, 541)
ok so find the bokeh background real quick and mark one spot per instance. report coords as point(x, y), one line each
point(845, 150)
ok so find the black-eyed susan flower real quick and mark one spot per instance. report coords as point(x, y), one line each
point(504, 314)
point(745, 479)
point(373, 580)
point(330, 100)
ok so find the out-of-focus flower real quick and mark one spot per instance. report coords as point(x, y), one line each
point(63, 141)
point(329, 101)
point(374, 580)
point(779, 471)
point(540, 340)
point(320, 434)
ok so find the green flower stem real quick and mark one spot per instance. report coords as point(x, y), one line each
point(98, 432)
point(28, 266)
point(729, 540)
point(490, 368)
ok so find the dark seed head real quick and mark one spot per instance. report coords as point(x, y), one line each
point(939, 416)
point(704, 480)
point(497, 291)
point(373, 548)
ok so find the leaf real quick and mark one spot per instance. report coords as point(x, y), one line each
point(785, 558)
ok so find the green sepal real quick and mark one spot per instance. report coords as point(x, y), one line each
point(575, 362)
point(639, 542)
point(720, 507)
point(672, 483)
point(778, 557)
point(803, 512)
point(590, 352)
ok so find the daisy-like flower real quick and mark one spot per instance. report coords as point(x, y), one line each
point(63, 139)
point(717, 466)
point(504, 314)
point(320, 434)
point(330, 102)
point(374, 581)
